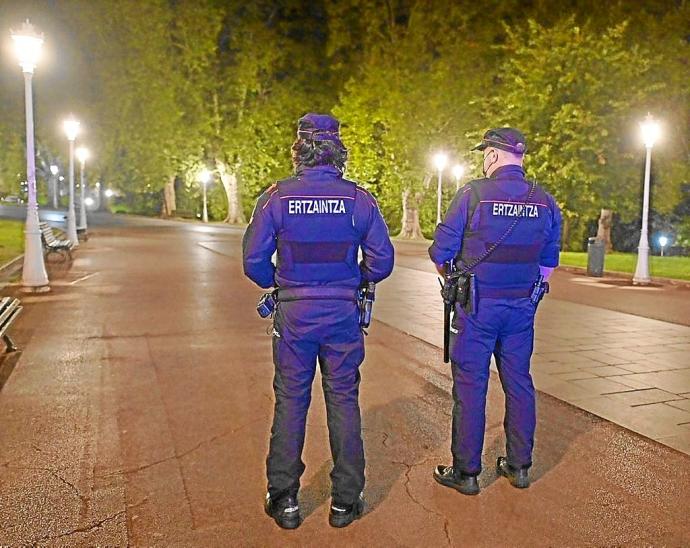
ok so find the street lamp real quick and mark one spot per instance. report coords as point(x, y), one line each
point(663, 240)
point(82, 155)
point(204, 178)
point(650, 132)
point(28, 42)
point(458, 171)
point(440, 162)
point(71, 128)
point(54, 170)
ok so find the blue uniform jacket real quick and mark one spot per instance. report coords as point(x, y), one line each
point(535, 240)
point(318, 223)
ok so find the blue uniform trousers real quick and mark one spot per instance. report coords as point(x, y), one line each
point(504, 328)
point(307, 331)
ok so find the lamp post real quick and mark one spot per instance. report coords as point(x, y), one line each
point(204, 178)
point(54, 170)
point(71, 127)
point(440, 161)
point(650, 133)
point(663, 240)
point(458, 171)
point(82, 156)
point(28, 42)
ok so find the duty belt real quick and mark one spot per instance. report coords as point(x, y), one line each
point(316, 293)
point(503, 292)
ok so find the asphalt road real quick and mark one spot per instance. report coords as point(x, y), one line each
point(139, 414)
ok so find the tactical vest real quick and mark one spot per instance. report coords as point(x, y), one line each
point(513, 267)
point(318, 242)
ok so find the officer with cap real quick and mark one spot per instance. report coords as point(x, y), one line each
point(318, 222)
point(505, 231)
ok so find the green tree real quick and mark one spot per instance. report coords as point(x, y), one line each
point(575, 91)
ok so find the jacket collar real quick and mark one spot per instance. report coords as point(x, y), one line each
point(319, 171)
point(507, 171)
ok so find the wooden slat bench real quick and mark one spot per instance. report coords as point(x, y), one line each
point(9, 310)
point(52, 244)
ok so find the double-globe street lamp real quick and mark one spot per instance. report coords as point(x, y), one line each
point(650, 131)
point(28, 42)
point(82, 155)
point(204, 179)
point(71, 128)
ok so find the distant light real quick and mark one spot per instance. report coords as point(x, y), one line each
point(663, 240)
point(89, 201)
point(204, 176)
point(27, 44)
point(98, 184)
point(83, 154)
point(54, 169)
point(71, 128)
point(61, 178)
point(651, 131)
point(458, 170)
point(440, 160)
point(109, 193)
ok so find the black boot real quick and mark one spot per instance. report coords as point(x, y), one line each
point(343, 515)
point(284, 511)
point(465, 483)
point(518, 477)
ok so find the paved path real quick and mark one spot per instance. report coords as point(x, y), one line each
point(139, 414)
point(631, 370)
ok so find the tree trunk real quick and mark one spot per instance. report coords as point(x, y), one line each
point(411, 229)
point(604, 230)
point(169, 199)
point(232, 191)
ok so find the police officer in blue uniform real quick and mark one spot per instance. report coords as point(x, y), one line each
point(506, 231)
point(318, 222)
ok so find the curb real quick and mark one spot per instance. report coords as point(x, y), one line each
point(626, 275)
point(11, 267)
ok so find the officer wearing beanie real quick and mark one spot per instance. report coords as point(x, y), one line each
point(318, 222)
point(476, 236)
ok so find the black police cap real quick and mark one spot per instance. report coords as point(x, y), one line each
point(318, 127)
point(505, 138)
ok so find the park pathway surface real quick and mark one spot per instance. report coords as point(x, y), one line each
point(139, 414)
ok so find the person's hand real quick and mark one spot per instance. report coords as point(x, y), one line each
point(441, 269)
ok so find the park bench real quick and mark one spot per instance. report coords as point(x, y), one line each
point(52, 244)
point(9, 310)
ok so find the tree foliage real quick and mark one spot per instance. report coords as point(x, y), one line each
point(168, 87)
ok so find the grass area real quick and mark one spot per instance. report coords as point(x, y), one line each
point(11, 239)
point(664, 267)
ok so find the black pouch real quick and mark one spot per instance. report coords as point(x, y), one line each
point(462, 292)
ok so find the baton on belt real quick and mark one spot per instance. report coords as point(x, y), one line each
point(448, 289)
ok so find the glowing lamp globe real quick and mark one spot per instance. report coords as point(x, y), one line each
point(82, 154)
point(458, 170)
point(204, 176)
point(27, 45)
point(650, 130)
point(71, 128)
point(440, 161)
